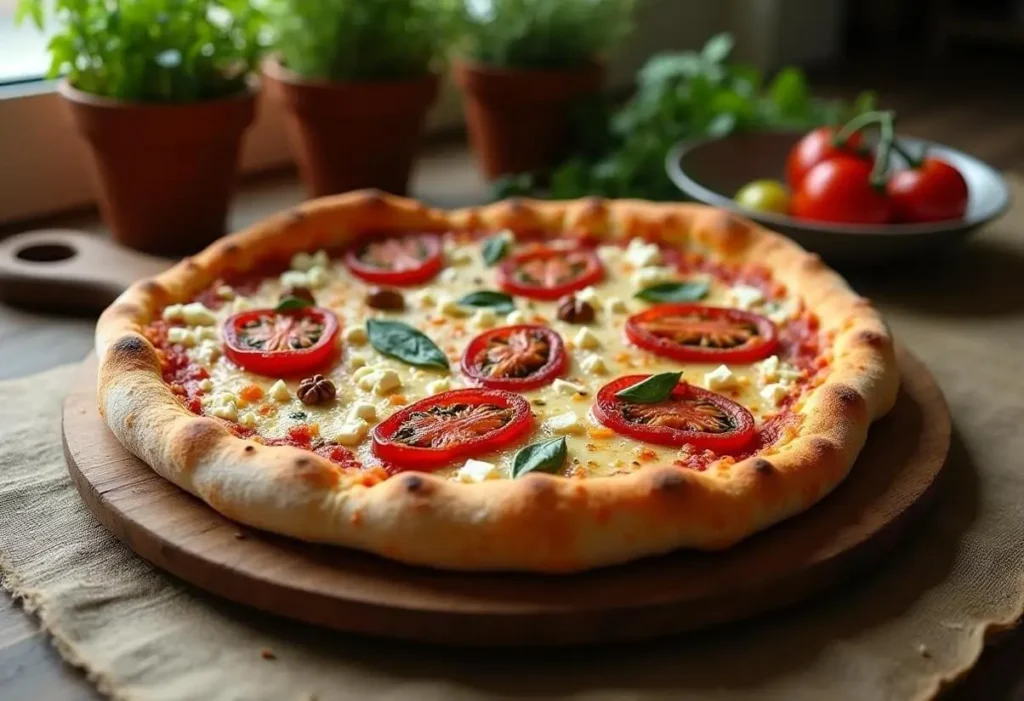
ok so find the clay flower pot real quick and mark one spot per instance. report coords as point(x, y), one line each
point(165, 172)
point(518, 120)
point(348, 136)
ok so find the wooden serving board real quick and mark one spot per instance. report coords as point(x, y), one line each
point(352, 591)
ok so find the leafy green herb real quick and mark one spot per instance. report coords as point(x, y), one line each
point(688, 291)
point(289, 303)
point(546, 456)
point(349, 40)
point(401, 341)
point(545, 34)
point(162, 51)
point(654, 389)
point(498, 301)
point(494, 248)
point(621, 152)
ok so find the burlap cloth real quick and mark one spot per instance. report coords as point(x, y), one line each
point(894, 633)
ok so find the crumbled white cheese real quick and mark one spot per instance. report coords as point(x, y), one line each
point(294, 278)
point(303, 261)
point(515, 317)
point(425, 298)
point(363, 410)
point(458, 255)
point(317, 277)
point(223, 405)
point(206, 384)
point(744, 297)
point(172, 312)
point(362, 371)
point(586, 339)
point(355, 361)
point(247, 419)
point(380, 381)
point(567, 423)
point(774, 393)
point(476, 471)
point(449, 275)
point(350, 432)
point(355, 334)
point(642, 254)
point(593, 364)
point(720, 378)
point(207, 352)
point(781, 312)
point(180, 336)
point(279, 392)
point(645, 277)
point(447, 305)
point(196, 314)
point(438, 386)
point(772, 370)
point(587, 294)
point(614, 305)
point(226, 292)
point(206, 333)
point(568, 388)
point(484, 319)
point(240, 304)
point(609, 254)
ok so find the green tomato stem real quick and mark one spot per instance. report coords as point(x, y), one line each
point(859, 123)
point(886, 142)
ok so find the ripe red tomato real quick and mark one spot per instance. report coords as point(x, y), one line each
point(934, 191)
point(840, 190)
point(817, 146)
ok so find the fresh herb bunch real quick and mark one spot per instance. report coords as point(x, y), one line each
point(679, 96)
point(364, 40)
point(544, 34)
point(165, 51)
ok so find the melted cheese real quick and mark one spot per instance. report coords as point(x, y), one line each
point(371, 386)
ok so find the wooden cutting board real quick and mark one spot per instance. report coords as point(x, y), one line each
point(858, 524)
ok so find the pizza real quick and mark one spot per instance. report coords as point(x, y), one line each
point(527, 385)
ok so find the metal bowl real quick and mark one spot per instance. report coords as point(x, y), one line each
point(713, 170)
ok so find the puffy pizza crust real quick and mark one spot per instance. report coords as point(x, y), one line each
point(540, 522)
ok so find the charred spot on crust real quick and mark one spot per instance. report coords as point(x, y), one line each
point(302, 462)
point(372, 198)
point(129, 309)
point(762, 466)
point(668, 481)
point(515, 205)
point(294, 216)
point(821, 447)
point(250, 449)
point(414, 484)
point(874, 339)
point(132, 348)
point(593, 206)
point(231, 250)
point(152, 287)
point(848, 397)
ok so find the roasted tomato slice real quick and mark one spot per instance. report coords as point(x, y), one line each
point(699, 334)
point(690, 415)
point(408, 259)
point(450, 426)
point(547, 272)
point(515, 357)
point(276, 344)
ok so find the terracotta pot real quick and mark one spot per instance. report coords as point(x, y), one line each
point(518, 120)
point(165, 172)
point(348, 136)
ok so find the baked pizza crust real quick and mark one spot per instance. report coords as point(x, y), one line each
point(540, 522)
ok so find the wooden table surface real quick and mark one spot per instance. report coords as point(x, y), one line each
point(31, 669)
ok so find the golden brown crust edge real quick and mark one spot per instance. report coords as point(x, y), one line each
point(538, 523)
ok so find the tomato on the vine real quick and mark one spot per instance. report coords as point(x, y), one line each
point(931, 191)
point(841, 190)
point(818, 146)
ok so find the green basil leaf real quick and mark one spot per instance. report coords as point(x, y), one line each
point(654, 389)
point(498, 301)
point(495, 248)
point(689, 291)
point(290, 303)
point(401, 341)
point(546, 456)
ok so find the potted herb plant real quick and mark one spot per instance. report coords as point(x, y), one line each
point(160, 90)
point(357, 77)
point(526, 62)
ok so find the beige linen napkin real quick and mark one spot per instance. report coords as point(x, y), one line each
point(895, 633)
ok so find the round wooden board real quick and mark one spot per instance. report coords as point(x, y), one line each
point(352, 591)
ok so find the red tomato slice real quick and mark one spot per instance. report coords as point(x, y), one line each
point(690, 415)
point(409, 259)
point(515, 357)
point(277, 344)
point(450, 426)
point(699, 334)
point(547, 272)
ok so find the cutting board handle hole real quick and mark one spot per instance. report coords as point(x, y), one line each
point(46, 252)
